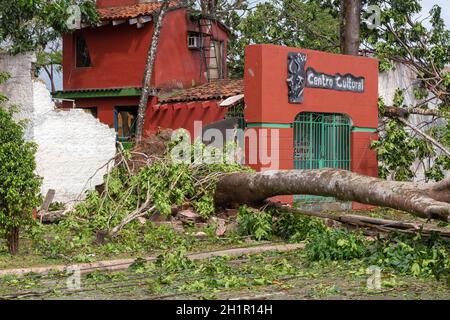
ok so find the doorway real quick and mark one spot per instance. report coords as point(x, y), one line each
point(321, 140)
point(125, 119)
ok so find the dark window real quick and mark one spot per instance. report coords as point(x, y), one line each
point(91, 110)
point(83, 59)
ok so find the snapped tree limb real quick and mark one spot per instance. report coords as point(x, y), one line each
point(394, 112)
point(431, 201)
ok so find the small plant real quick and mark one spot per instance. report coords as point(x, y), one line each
point(295, 227)
point(56, 206)
point(255, 223)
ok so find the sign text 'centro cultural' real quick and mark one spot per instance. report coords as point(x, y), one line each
point(299, 79)
point(339, 82)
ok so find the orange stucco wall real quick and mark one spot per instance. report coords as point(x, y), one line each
point(173, 115)
point(119, 54)
point(266, 98)
point(266, 93)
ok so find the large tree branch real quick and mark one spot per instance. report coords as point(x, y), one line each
point(426, 136)
point(423, 200)
point(394, 112)
point(149, 71)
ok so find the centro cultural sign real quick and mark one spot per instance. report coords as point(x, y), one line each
point(298, 79)
point(338, 82)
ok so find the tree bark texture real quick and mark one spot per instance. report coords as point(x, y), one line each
point(13, 240)
point(148, 73)
point(431, 201)
point(352, 27)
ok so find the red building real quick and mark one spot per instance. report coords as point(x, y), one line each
point(103, 66)
point(326, 120)
point(303, 109)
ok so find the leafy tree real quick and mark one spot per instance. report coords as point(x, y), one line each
point(426, 51)
point(29, 24)
point(294, 23)
point(19, 185)
point(50, 61)
point(26, 25)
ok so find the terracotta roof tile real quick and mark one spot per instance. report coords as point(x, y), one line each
point(214, 90)
point(131, 11)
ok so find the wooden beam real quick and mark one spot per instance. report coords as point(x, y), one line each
point(48, 199)
point(117, 22)
point(145, 19)
point(133, 21)
point(103, 23)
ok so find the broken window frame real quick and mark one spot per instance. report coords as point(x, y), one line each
point(196, 43)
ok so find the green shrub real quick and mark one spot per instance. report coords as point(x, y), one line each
point(19, 185)
point(252, 222)
point(335, 244)
point(413, 255)
point(296, 227)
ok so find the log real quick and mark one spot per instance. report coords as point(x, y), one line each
point(377, 224)
point(430, 201)
point(51, 217)
point(48, 199)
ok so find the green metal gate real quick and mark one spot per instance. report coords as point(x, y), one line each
point(321, 140)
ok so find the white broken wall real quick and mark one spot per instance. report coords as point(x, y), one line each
point(72, 145)
point(19, 88)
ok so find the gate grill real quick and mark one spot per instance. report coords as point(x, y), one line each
point(321, 140)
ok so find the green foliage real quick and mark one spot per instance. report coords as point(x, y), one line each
point(413, 255)
point(397, 151)
point(56, 206)
point(294, 23)
point(406, 254)
point(19, 185)
point(255, 223)
point(296, 227)
point(161, 185)
point(29, 24)
point(335, 244)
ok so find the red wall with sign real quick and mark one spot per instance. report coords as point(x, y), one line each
point(266, 92)
point(268, 107)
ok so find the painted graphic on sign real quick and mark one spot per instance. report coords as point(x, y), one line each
point(347, 82)
point(296, 76)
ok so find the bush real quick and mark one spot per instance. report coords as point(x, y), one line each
point(19, 185)
point(252, 222)
point(335, 244)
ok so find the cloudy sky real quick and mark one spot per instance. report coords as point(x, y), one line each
point(426, 6)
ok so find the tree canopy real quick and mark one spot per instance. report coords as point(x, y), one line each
point(27, 25)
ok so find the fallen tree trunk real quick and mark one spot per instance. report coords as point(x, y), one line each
point(431, 201)
point(369, 223)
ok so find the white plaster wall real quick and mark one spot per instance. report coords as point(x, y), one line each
point(73, 145)
point(19, 88)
